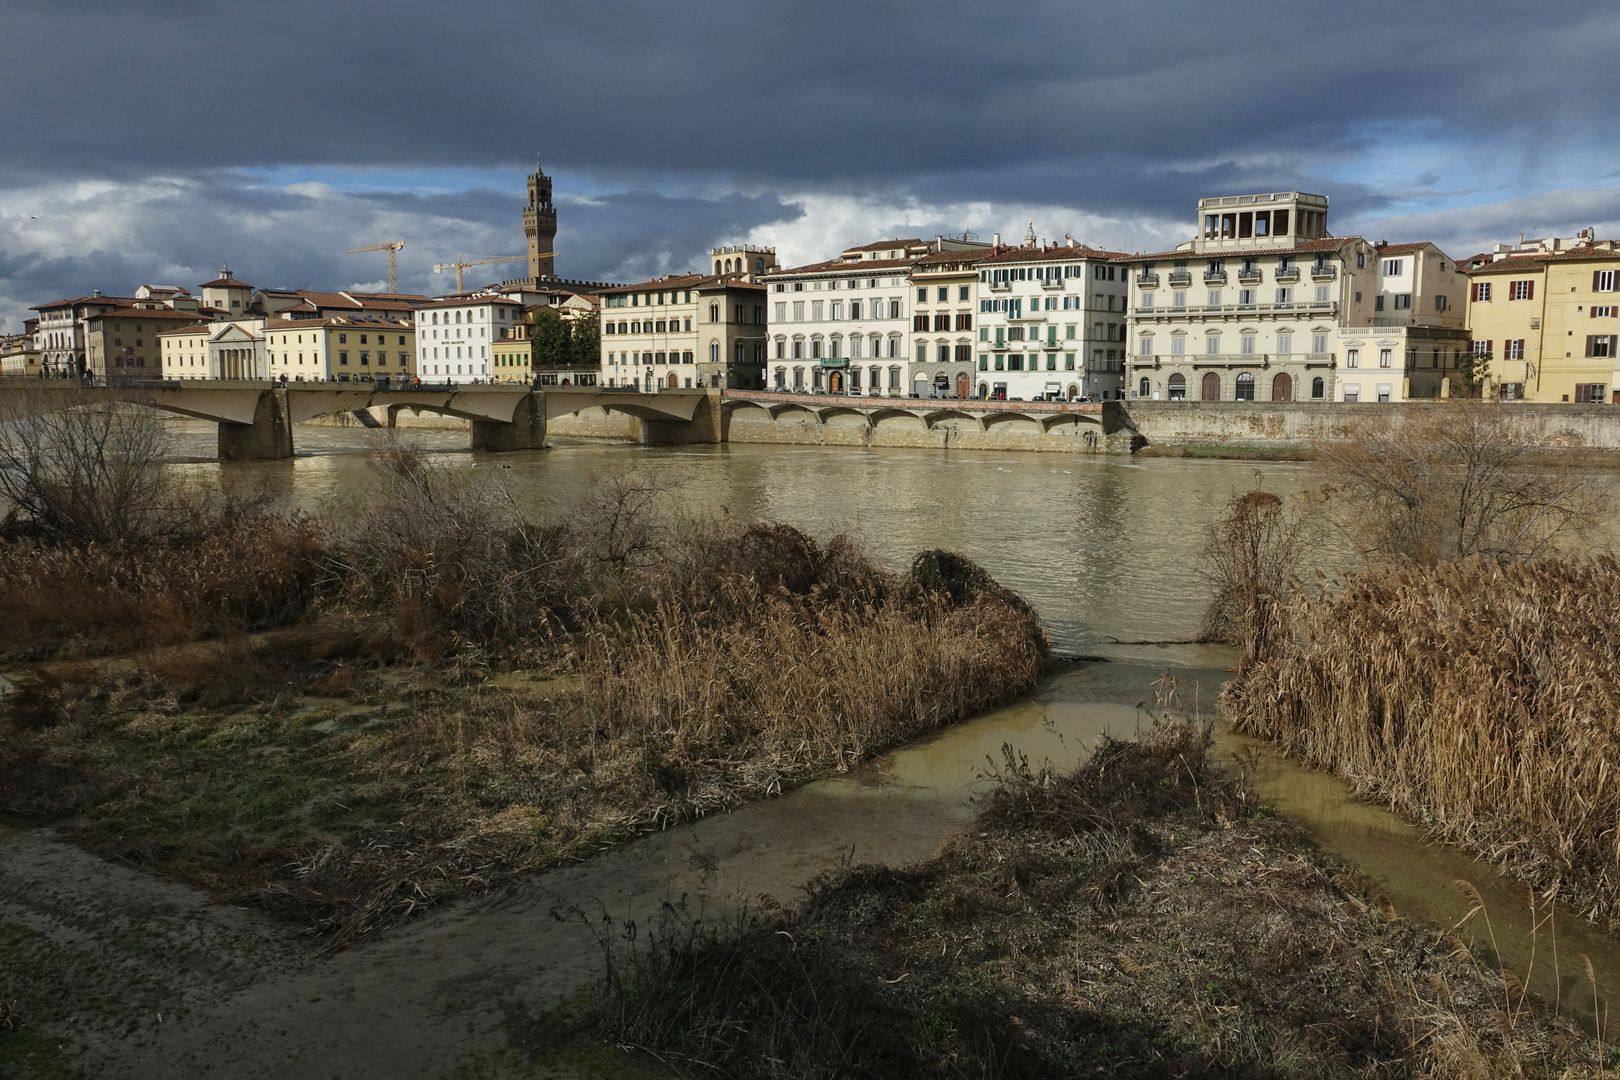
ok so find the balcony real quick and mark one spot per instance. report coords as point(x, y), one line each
point(1286, 274)
point(1052, 283)
point(1180, 278)
point(1214, 277)
point(1325, 272)
point(1297, 307)
point(1001, 286)
point(1028, 316)
point(1147, 281)
point(1251, 276)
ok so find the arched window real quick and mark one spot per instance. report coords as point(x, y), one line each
point(714, 312)
point(714, 352)
point(1318, 388)
point(1142, 388)
point(1177, 387)
point(759, 265)
point(1245, 386)
point(1211, 388)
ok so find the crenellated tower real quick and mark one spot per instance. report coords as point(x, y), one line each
point(540, 226)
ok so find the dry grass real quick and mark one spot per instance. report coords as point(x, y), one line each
point(1480, 698)
point(1137, 918)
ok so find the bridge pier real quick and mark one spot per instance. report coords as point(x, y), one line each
point(706, 426)
point(527, 431)
point(267, 438)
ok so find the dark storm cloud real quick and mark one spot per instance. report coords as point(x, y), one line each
point(789, 94)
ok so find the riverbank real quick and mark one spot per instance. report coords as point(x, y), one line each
point(1143, 915)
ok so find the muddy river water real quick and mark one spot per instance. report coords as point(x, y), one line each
point(1106, 549)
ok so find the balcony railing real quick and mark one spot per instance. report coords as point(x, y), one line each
point(1250, 277)
point(1148, 281)
point(1239, 359)
point(1326, 307)
point(1180, 277)
point(1324, 272)
point(1286, 273)
point(1214, 277)
point(1001, 286)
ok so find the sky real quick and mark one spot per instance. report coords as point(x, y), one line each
point(156, 140)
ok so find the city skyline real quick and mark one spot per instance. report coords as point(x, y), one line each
point(342, 127)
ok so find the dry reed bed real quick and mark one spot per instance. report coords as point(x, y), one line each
point(1480, 698)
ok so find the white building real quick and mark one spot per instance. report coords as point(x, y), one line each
point(1051, 324)
point(1417, 333)
point(842, 326)
point(221, 350)
point(454, 335)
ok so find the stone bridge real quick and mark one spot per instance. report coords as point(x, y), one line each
point(773, 416)
point(255, 419)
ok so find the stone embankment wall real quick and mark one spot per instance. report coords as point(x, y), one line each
point(595, 423)
point(1072, 436)
point(1277, 425)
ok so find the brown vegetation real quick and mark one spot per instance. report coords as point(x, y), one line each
point(1138, 918)
point(1453, 481)
point(1480, 698)
point(1252, 560)
point(660, 671)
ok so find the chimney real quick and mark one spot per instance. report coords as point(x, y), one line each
point(95, 292)
point(996, 241)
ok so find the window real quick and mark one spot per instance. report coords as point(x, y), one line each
point(922, 295)
point(1403, 301)
point(1589, 393)
point(1521, 290)
point(1245, 386)
point(1285, 295)
point(1352, 392)
point(1144, 346)
point(1245, 297)
point(1179, 298)
point(1603, 281)
point(1384, 391)
point(1602, 311)
point(1319, 344)
point(1318, 387)
point(1214, 298)
point(1212, 344)
point(1600, 345)
point(1352, 358)
point(1285, 344)
point(1482, 291)
point(1513, 349)
point(1145, 301)
point(1248, 344)
point(1385, 357)
point(1392, 267)
point(1178, 344)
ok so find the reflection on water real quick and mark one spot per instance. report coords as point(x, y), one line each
point(1104, 547)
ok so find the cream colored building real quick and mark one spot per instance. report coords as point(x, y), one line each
point(688, 330)
point(1546, 323)
point(233, 350)
point(1265, 305)
point(339, 349)
point(19, 357)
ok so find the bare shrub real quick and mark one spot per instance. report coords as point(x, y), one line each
point(1452, 481)
point(77, 467)
point(1479, 697)
point(1252, 560)
point(450, 557)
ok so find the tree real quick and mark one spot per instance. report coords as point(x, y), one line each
point(585, 341)
point(78, 467)
point(1450, 481)
point(1252, 558)
point(1475, 371)
point(549, 334)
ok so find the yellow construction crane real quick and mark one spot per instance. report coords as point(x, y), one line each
point(462, 264)
point(393, 247)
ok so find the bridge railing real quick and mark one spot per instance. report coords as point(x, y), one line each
point(960, 404)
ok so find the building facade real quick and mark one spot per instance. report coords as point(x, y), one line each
point(1265, 305)
point(1546, 324)
point(455, 336)
point(843, 326)
point(61, 336)
point(943, 289)
point(124, 343)
point(339, 349)
point(1052, 324)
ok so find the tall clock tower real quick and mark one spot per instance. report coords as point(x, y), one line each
point(540, 226)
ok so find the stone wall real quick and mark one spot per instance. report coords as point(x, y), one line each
point(1188, 423)
point(1069, 435)
point(594, 423)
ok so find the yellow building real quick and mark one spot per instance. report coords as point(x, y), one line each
point(124, 342)
point(1547, 324)
point(18, 356)
point(340, 349)
point(184, 352)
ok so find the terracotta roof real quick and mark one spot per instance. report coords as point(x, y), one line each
point(847, 266)
point(947, 257)
point(727, 281)
point(115, 301)
point(1307, 247)
point(402, 297)
point(1407, 249)
point(158, 314)
point(885, 245)
point(672, 281)
point(225, 283)
point(1511, 265)
point(1069, 252)
point(200, 328)
point(468, 301)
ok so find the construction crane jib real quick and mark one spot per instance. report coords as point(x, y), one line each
point(393, 247)
point(460, 264)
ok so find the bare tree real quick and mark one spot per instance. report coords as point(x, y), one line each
point(78, 467)
point(1452, 481)
point(1252, 560)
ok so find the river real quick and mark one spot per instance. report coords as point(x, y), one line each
point(1105, 548)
